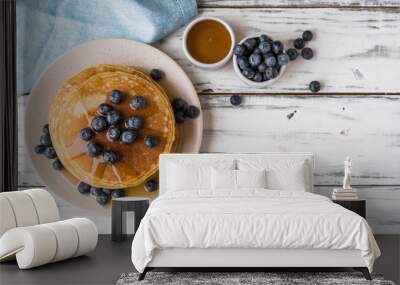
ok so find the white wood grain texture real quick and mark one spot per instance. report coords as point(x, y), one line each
point(298, 3)
point(356, 51)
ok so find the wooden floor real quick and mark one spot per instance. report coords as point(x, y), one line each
point(110, 260)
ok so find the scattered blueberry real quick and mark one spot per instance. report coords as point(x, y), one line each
point(271, 72)
point(93, 149)
point(95, 191)
point(45, 139)
point(314, 86)
point(107, 191)
point(191, 112)
point(178, 104)
point(258, 77)
point(40, 149)
point(242, 62)
point(138, 102)
point(46, 129)
point(118, 193)
point(250, 43)
point(98, 123)
point(151, 185)
point(50, 153)
point(307, 36)
point(156, 74)
point(150, 141)
point(270, 61)
point(86, 134)
point(128, 136)
point(283, 59)
point(262, 67)
point(114, 117)
point(248, 73)
point(236, 100)
point(179, 117)
point(277, 47)
point(307, 53)
point(110, 157)
point(255, 59)
point(239, 50)
point(57, 165)
point(292, 53)
point(264, 47)
point(83, 188)
point(113, 133)
point(299, 43)
point(102, 199)
point(104, 109)
point(115, 96)
point(134, 123)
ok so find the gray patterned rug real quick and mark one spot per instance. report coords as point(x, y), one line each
point(244, 278)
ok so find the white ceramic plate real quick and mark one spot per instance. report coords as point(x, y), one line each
point(111, 51)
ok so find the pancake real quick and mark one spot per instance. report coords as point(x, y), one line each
point(76, 104)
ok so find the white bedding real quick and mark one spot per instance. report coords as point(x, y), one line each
point(251, 218)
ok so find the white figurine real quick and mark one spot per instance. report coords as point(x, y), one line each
point(347, 173)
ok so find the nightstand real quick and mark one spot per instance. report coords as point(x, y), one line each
point(357, 206)
point(139, 205)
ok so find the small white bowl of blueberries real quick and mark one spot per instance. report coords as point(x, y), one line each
point(260, 61)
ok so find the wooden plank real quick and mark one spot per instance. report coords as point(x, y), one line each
point(298, 3)
point(356, 51)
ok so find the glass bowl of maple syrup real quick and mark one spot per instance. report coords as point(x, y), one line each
point(208, 42)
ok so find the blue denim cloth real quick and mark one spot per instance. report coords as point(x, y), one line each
point(48, 28)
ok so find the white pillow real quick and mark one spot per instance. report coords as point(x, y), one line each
point(282, 174)
point(223, 179)
point(251, 178)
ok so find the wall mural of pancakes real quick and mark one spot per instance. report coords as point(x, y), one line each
point(106, 128)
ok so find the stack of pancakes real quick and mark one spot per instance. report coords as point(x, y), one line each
point(76, 105)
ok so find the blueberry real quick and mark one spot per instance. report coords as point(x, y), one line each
point(156, 74)
point(113, 133)
point(46, 129)
point(104, 109)
point(236, 100)
point(114, 117)
point(191, 112)
point(110, 157)
point(242, 62)
point(292, 53)
point(83, 188)
point(307, 53)
point(98, 123)
point(93, 149)
point(40, 149)
point(270, 61)
point(257, 51)
point(178, 104)
point(255, 59)
point(150, 141)
point(151, 185)
point(271, 72)
point(248, 73)
point(50, 153)
point(264, 38)
point(239, 50)
point(264, 77)
point(86, 134)
point(128, 136)
point(307, 36)
point(277, 47)
point(138, 102)
point(45, 140)
point(134, 123)
point(107, 192)
point(299, 43)
point(102, 199)
point(258, 77)
point(250, 44)
point(264, 47)
point(95, 191)
point(115, 96)
point(179, 117)
point(262, 67)
point(57, 165)
point(118, 193)
point(283, 59)
point(314, 86)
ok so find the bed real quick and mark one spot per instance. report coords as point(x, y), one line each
point(247, 210)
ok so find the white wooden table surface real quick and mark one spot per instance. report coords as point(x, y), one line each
point(357, 112)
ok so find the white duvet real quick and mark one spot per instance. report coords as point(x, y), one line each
point(250, 219)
